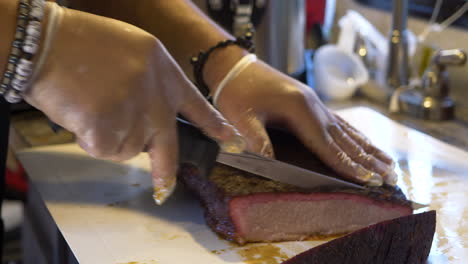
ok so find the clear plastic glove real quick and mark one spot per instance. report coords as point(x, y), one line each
point(117, 88)
point(261, 95)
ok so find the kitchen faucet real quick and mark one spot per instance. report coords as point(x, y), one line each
point(431, 99)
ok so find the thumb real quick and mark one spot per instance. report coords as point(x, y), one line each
point(163, 153)
point(254, 132)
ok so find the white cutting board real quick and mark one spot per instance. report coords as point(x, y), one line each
point(107, 216)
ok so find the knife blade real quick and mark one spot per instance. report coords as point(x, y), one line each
point(281, 171)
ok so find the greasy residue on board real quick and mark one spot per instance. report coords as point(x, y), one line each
point(258, 254)
point(325, 238)
point(170, 236)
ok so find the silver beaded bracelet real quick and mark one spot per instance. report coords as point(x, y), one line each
point(25, 45)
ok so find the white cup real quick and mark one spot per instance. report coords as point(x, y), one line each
point(337, 73)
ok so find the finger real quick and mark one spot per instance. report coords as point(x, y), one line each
point(132, 145)
point(359, 155)
point(253, 131)
point(321, 143)
point(362, 140)
point(339, 161)
point(163, 153)
point(208, 119)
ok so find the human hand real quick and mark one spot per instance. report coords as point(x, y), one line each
point(261, 95)
point(117, 88)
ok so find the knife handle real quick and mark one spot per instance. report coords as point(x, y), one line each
point(195, 147)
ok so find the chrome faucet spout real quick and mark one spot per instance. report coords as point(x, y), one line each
point(397, 61)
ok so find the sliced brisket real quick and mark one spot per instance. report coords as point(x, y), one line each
point(405, 240)
point(243, 207)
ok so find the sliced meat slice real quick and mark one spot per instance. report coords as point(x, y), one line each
point(297, 216)
point(405, 240)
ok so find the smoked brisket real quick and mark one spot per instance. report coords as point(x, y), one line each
point(243, 207)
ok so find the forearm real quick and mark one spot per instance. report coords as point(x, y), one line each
point(181, 26)
point(8, 12)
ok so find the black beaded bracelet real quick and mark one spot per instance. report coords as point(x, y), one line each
point(200, 60)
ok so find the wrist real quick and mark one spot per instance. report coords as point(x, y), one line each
point(220, 63)
point(44, 23)
point(42, 54)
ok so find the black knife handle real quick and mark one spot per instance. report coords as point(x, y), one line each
point(196, 148)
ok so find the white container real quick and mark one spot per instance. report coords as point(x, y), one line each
point(337, 73)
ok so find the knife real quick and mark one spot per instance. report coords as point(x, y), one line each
point(201, 151)
point(198, 149)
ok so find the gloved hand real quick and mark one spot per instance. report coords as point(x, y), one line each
point(117, 88)
point(261, 94)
